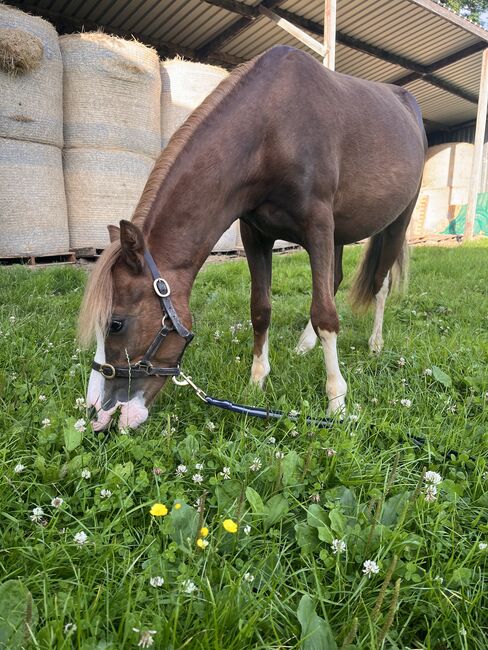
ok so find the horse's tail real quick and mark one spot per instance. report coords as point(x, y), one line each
point(363, 289)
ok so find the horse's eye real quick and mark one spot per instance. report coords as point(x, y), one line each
point(116, 326)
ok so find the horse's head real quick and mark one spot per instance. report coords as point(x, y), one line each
point(137, 319)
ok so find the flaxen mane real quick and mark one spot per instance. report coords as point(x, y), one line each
point(96, 307)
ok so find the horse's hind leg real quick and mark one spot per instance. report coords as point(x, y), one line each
point(308, 338)
point(259, 258)
point(323, 312)
point(385, 262)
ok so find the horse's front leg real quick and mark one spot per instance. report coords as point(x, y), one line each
point(259, 257)
point(324, 318)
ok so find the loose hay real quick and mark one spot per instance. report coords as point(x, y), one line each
point(20, 52)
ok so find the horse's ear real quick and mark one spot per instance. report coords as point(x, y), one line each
point(113, 233)
point(132, 245)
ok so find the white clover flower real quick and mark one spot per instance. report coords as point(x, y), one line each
point(247, 529)
point(330, 452)
point(427, 372)
point(80, 425)
point(19, 468)
point(235, 340)
point(12, 319)
point(432, 477)
point(294, 433)
point(225, 473)
point(482, 546)
point(430, 493)
point(315, 498)
point(189, 586)
point(370, 567)
point(217, 334)
point(199, 466)
point(85, 473)
point(238, 359)
point(256, 465)
point(42, 398)
point(210, 426)
point(439, 580)
point(57, 502)
point(146, 639)
point(105, 494)
point(157, 581)
point(69, 628)
point(401, 362)
point(81, 538)
point(271, 440)
point(374, 400)
point(339, 546)
point(353, 417)
point(80, 403)
point(293, 413)
point(37, 514)
point(46, 422)
point(279, 455)
point(197, 478)
point(248, 577)
point(406, 402)
point(180, 470)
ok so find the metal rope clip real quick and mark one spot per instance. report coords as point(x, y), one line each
point(187, 381)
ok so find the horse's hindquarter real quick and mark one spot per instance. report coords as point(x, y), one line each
point(353, 143)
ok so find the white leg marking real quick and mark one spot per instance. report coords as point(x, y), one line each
point(260, 365)
point(376, 338)
point(307, 340)
point(96, 383)
point(336, 387)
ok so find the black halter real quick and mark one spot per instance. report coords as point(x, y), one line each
point(144, 367)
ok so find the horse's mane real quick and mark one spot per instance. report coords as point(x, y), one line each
point(96, 307)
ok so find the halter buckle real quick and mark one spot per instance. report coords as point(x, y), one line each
point(161, 294)
point(145, 366)
point(107, 371)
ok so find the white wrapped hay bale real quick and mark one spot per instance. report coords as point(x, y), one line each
point(184, 86)
point(102, 187)
point(445, 185)
point(112, 92)
point(31, 79)
point(33, 218)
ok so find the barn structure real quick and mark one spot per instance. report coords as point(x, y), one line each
point(438, 55)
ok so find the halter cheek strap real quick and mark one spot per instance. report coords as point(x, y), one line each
point(144, 367)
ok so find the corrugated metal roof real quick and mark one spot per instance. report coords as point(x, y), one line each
point(418, 31)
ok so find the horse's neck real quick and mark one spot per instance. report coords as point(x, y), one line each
point(203, 194)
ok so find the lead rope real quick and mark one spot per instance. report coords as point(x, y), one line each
point(254, 411)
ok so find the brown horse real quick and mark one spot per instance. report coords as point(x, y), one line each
point(296, 152)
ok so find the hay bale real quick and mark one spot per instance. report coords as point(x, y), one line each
point(33, 217)
point(184, 85)
point(31, 104)
point(102, 187)
point(111, 94)
point(19, 51)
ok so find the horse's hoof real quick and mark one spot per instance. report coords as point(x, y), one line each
point(375, 344)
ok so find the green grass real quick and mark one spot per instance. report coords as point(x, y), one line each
point(431, 588)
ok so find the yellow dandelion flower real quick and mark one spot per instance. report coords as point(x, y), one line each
point(158, 510)
point(202, 543)
point(203, 531)
point(230, 526)
point(177, 506)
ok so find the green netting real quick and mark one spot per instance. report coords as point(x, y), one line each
point(456, 226)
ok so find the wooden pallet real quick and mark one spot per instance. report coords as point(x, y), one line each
point(38, 260)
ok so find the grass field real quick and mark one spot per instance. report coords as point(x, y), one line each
point(83, 562)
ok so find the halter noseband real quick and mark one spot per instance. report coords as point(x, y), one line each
point(144, 367)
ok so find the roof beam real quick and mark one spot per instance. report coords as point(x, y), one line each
point(248, 15)
point(296, 32)
point(378, 52)
point(442, 63)
point(452, 17)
